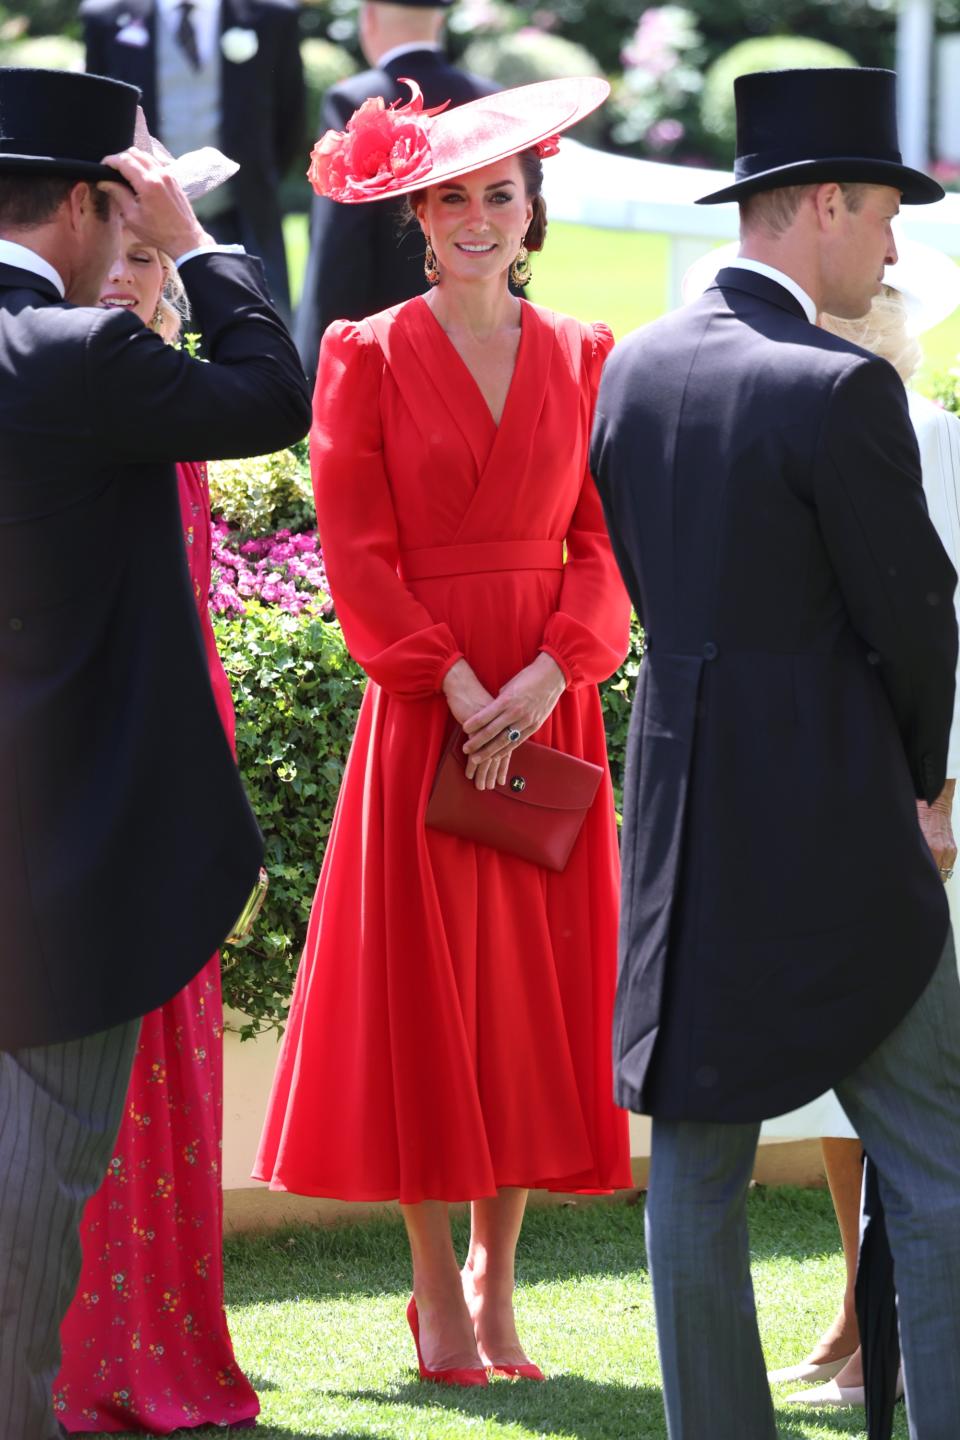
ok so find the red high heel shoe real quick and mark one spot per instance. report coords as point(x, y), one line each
point(457, 1374)
point(527, 1371)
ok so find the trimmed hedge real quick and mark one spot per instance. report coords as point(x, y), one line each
point(532, 55)
point(772, 52)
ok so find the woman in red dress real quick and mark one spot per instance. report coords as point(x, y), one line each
point(449, 1036)
point(145, 1342)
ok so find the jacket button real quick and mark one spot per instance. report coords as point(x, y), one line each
point(16, 623)
point(710, 651)
point(873, 657)
point(707, 1076)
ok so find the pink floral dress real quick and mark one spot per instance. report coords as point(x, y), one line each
point(145, 1342)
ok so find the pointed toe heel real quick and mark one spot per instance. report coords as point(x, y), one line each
point(457, 1374)
point(528, 1371)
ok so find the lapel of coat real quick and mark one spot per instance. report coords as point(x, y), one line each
point(13, 278)
point(419, 63)
point(761, 287)
point(238, 91)
point(137, 64)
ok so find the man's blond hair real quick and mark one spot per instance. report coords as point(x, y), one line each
point(774, 211)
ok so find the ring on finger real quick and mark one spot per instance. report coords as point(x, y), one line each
point(513, 735)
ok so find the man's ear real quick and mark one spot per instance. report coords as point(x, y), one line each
point(828, 200)
point(79, 204)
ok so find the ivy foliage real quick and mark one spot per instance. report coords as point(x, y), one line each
point(270, 493)
point(297, 693)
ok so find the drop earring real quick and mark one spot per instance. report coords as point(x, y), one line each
point(156, 320)
point(430, 267)
point(520, 271)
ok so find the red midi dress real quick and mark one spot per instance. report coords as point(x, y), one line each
point(450, 1028)
point(145, 1341)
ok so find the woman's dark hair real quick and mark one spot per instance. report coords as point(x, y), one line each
point(531, 168)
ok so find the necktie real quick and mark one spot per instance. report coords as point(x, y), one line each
point(187, 36)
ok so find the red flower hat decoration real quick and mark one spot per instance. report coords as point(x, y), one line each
point(394, 150)
point(382, 146)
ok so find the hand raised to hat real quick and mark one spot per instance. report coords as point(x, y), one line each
point(154, 206)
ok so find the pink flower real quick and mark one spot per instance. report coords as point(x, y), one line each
point(327, 170)
point(664, 134)
point(380, 148)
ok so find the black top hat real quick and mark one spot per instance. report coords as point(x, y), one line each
point(803, 127)
point(55, 122)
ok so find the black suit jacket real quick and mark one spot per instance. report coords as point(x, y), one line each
point(263, 106)
point(362, 260)
point(127, 847)
point(781, 911)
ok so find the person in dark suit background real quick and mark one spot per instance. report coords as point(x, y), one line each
point(784, 925)
point(225, 73)
point(112, 895)
point(361, 258)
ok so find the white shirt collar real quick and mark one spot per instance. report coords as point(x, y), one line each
point(399, 50)
point(13, 254)
point(788, 283)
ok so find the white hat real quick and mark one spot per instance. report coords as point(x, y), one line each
point(198, 171)
point(928, 280)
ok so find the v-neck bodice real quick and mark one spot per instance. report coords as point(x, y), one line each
point(452, 469)
point(458, 360)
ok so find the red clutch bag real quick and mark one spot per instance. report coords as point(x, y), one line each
point(536, 815)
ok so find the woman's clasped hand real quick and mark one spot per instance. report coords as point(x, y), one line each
point(518, 710)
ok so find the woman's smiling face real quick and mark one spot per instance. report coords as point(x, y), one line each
point(135, 279)
point(476, 224)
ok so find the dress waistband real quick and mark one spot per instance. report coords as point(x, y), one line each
point(439, 560)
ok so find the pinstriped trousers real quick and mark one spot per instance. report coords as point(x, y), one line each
point(904, 1102)
point(60, 1111)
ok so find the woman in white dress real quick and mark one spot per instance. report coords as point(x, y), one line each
point(919, 292)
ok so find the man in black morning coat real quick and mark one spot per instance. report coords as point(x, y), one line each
point(239, 87)
point(784, 925)
point(361, 260)
point(127, 848)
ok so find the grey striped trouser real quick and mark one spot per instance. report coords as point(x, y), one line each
point(60, 1110)
point(904, 1102)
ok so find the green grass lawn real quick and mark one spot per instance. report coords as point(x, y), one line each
point(616, 276)
point(317, 1317)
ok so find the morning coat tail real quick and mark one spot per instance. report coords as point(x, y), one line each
point(781, 910)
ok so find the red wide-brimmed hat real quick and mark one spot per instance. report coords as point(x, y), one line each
point(393, 150)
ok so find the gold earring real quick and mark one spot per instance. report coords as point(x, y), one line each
point(520, 271)
point(430, 267)
point(156, 321)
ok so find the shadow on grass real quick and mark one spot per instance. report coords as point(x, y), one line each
point(587, 1409)
point(260, 1432)
point(371, 1258)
